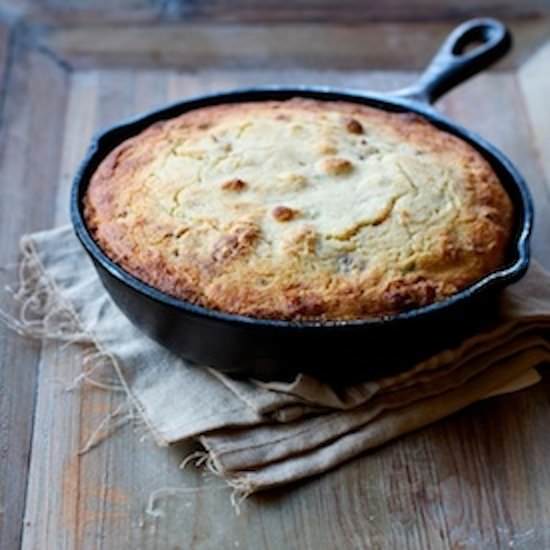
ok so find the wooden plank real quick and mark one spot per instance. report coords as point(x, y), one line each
point(352, 11)
point(31, 133)
point(364, 46)
point(84, 11)
point(476, 480)
point(4, 54)
point(534, 81)
point(269, 11)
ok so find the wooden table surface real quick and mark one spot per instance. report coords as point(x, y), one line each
point(479, 479)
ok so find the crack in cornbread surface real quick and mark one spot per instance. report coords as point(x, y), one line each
point(300, 209)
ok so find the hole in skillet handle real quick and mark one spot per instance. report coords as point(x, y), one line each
point(470, 48)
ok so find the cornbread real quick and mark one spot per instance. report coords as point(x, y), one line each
point(300, 209)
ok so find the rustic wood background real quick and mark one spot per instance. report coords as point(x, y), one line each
point(67, 68)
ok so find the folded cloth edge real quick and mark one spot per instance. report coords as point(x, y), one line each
point(31, 264)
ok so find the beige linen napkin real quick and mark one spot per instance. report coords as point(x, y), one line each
point(257, 435)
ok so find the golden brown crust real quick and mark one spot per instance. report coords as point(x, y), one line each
point(300, 210)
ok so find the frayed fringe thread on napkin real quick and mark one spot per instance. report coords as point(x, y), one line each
point(45, 314)
point(47, 311)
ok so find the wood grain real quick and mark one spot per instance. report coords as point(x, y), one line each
point(4, 54)
point(352, 11)
point(534, 81)
point(326, 11)
point(75, 11)
point(363, 46)
point(32, 128)
point(476, 480)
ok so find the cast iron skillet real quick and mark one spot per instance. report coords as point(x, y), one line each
point(339, 351)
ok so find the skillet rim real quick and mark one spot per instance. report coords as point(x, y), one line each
point(98, 150)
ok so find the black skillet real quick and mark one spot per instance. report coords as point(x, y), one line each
point(342, 351)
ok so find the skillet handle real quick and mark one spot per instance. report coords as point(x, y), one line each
point(452, 64)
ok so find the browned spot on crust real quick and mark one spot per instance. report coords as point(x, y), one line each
point(337, 166)
point(305, 305)
point(353, 126)
point(326, 148)
point(234, 185)
point(238, 242)
point(284, 213)
point(408, 292)
point(412, 118)
point(181, 231)
point(302, 242)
